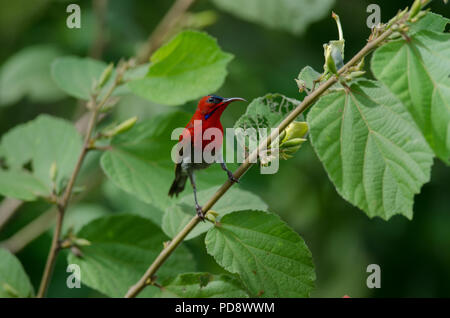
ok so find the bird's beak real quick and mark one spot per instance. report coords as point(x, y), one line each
point(232, 99)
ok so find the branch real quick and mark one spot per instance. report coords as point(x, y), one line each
point(307, 102)
point(42, 223)
point(163, 29)
point(8, 207)
point(30, 232)
point(64, 201)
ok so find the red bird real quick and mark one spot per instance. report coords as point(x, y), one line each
point(208, 113)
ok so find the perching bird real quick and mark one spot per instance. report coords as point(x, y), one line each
point(209, 111)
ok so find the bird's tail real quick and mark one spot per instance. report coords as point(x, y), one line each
point(179, 183)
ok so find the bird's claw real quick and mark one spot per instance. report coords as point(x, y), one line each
point(232, 178)
point(200, 212)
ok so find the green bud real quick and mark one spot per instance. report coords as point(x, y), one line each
point(329, 61)
point(296, 129)
point(354, 75)
point(211, 217)
point(291, 150)
point(105, 75)
point(66, 244)
point(121, 128)
point(285, 156)
point(109, 104)
point(293, 142)
point(212, 212)
point(53, 171)
point(415, 9)
point(81, 242)
point(282, 135)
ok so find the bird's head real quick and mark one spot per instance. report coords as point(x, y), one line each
point(211, 107)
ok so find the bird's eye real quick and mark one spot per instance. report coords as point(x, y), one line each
point(213, 99)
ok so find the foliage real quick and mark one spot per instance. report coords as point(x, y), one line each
point(376, 139)
point(271, 259)
point(294, 16)
point(21, 76)
point(14, 281)
point(43, 142)
point(189, 66)
point(121, 247)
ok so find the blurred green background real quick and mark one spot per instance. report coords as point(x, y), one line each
point(414, 256)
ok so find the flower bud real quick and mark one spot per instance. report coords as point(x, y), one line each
point(415, 9)
point(329, 61)
point(211, 215)
point(81, 242)
point(121, 128)
point(296, 129)
point(53, 171)
point(293, 142)
point(105, 75)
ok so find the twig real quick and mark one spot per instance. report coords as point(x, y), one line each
point(63, 203)
point(30, 232)
point(38, 226)
point(307, 102)
point(42, 223)
point(163, 29)
point(8, 207)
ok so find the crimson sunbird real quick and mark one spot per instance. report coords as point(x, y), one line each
point(193, 138)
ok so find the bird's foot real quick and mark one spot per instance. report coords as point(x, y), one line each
point(200, 212)
point(232, 178)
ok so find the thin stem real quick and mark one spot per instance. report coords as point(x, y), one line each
point(307, 102)
point(62, 205)
point(163, 29)
point(8, 207)
point(30, 232)
point(42, 223)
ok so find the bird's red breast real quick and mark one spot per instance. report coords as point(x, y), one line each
point(207, 115)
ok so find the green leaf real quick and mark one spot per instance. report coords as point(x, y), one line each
point(271, 259)
point(128, 203)
point(140, 161)
point(203, 285)
point(14, 282)
point(122, 247)
point(373, 153)
point(264, 112)
point(307, 76)
point(431, 22)
point(21, 185)
point(43, 141)
point(75, 75)
point(81, 214)
point(189, 66)
point(288, 15)
point(27, 74)
point(417, 72)
point(183, 210)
